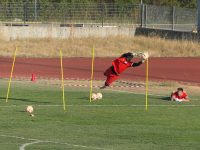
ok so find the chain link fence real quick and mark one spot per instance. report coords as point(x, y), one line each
point(100, 14)
point(70, 13)
point(165, 17)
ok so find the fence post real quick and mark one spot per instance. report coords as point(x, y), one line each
point(145, 16)
point(142, 15)
point(35, 10)
point(102, 14)
point(25, 12)
point(198, 24)
point(173, 17)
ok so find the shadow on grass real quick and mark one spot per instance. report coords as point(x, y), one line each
point(165, 98)
point(84, 98)
point(24, 100)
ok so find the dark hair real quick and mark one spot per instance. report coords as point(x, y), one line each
point(180, 89)
point(129, 54)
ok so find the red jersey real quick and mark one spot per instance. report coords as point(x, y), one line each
point(120, 64)
point(184, 95)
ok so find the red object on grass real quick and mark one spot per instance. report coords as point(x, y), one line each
point(33, 78)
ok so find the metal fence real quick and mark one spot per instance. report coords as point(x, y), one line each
point(102, 14)
point(93, 13)
point(165, 17)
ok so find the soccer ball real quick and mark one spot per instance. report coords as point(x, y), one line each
point(145, 55)
point(94, 96)
point(99, 96)
point(29, 109)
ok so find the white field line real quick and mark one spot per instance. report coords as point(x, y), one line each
point(27, 144)
point(122, 91)
point(142, 93)
point(115, 105)
point(119, 105)
point(189, 105)
point(35, 141)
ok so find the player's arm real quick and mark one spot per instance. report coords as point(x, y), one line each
point(186, 99)
point(144, 58)
point(173, 96)
point(138, 63)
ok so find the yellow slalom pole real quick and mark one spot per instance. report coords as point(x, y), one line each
point(11, 74)
point(92, 74)
point(62, 80)
point(147, 82)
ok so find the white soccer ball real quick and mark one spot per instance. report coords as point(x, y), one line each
point(94, 96)
point(145, 55)
point(29, 109)
point(178, 100)
point(99, 96)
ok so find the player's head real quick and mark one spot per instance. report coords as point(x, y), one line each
point(128, 56)
point(180, 91)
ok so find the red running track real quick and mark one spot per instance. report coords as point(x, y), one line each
point(177, 69)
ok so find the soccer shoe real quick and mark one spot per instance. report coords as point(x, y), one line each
point(103, 87)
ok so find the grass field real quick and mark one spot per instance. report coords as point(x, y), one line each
point(117, 122)
point(104, 47)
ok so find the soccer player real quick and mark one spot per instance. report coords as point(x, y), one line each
point(179, 96)
point(119, 65)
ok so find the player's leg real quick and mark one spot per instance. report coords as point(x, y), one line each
point(108, 71)
point(107, 74)
point(110, 79)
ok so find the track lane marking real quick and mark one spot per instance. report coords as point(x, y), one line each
point(11, 106)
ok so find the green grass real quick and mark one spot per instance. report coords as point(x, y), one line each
point(97, 124)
